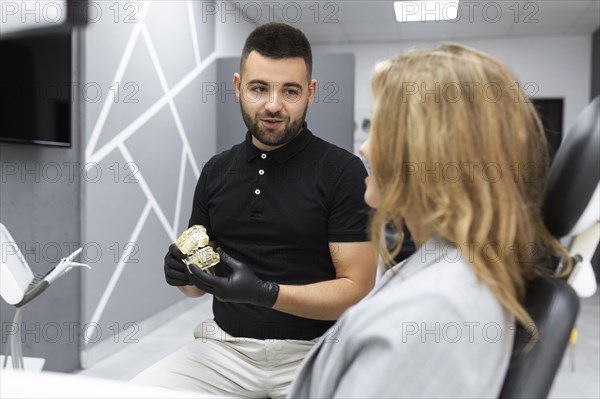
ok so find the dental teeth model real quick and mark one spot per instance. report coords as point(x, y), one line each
point(194, 244)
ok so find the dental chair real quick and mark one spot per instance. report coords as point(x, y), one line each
point(571, 212)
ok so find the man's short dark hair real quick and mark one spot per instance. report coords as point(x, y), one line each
point(277, 40)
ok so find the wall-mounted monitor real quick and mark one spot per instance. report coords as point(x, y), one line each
point(35, 72)
point(36, 89)
point(41, 17)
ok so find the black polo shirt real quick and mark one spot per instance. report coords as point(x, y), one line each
point(277, 211)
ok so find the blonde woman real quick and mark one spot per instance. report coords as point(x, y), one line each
point(458, 155)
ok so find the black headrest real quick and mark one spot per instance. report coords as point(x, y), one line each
point(553, 306)
point(574, 173)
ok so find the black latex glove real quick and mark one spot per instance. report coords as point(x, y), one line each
point(241, 286)
point(175, 270)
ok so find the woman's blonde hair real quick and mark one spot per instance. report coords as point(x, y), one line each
point(457, 147)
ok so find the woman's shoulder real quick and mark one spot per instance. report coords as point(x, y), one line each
point(438, 291)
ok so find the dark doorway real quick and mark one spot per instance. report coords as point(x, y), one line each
point(550, 111)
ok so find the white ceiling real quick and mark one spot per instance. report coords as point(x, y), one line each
point(350, 21)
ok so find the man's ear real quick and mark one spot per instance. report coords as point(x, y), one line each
point(312, 90)
point(237, 83)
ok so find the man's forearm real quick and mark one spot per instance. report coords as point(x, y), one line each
point(326, 300)
point(191, 290)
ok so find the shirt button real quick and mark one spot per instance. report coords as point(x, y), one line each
point(257, 191)
point(263, 156)
point(261, 172)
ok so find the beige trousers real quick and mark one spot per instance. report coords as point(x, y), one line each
point(220, 364)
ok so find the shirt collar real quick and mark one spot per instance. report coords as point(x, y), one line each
point(281, 154)
point(434, 250)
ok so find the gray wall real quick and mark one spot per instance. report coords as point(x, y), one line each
point(145, 149)
point(42, 216)
point(40, 206)
point(330, 117)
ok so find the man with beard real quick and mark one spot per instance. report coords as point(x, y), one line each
point(286, 211)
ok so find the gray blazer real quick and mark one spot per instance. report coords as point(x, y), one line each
point(428, 329)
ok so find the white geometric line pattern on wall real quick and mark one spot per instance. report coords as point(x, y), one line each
point(95, 155)
point(190, 11)
point(163, 83)
point(118, 270)
point(109, 101)
point(98, 155)
point(146, 190)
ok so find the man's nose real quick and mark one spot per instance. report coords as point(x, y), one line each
point(274, 103)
